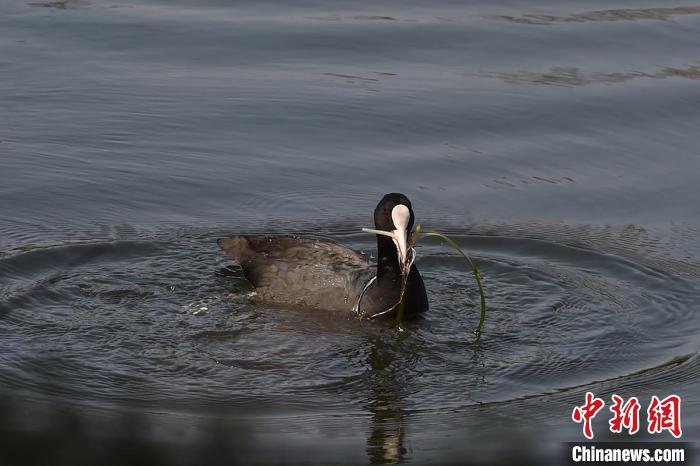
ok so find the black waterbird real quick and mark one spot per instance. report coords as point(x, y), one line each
point(321, 274)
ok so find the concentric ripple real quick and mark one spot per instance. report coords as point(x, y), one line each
point(163, 319)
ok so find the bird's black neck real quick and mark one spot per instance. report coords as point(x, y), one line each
point(388, 266)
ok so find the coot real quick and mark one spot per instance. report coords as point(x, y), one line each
point(320, 274)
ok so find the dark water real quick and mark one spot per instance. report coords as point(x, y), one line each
point(557, 142)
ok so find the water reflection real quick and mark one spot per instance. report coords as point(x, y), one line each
point(353, 18)
point(624, 14)
point(573, 76)
point(396, 367)
point(385, 443)
point(62, 4)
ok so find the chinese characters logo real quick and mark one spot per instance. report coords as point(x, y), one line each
point(661, 414)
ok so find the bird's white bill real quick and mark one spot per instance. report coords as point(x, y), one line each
point(400, 215)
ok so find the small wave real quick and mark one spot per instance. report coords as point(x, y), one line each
point(623, 14)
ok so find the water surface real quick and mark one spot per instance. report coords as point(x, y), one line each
point(557, 142)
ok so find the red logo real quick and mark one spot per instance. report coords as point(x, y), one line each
point(661, 415)
point(625, 415)
point(587, 412)
point(665, 415)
